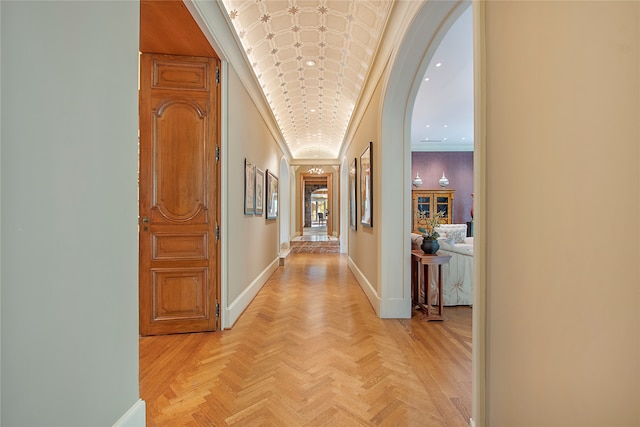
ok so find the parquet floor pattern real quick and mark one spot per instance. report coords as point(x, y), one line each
point(310, 351)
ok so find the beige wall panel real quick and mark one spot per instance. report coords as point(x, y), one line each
point(563, 327)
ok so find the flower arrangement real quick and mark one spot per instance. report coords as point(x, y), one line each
point(429, 230)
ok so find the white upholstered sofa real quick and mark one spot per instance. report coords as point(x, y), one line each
point(457, 281)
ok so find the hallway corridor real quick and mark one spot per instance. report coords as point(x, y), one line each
point(310, 351)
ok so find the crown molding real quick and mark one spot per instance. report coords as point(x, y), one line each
point(214, 22)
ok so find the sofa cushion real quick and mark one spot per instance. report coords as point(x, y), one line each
point(457, 235)
point(448, 240)
point(456, 231)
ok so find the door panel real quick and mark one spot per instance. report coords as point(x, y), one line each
point(185, 246)
point(179, 201)
point(179, 130)
point(181, 294)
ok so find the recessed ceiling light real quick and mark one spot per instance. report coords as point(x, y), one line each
point(439, 64)
point(428, 126)
point(310, 63)
point(446, 126)
point(426, 79)
point(313, 110)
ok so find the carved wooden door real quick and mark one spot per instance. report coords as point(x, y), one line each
point(179, 197)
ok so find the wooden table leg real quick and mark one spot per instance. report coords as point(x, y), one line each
point(440, 299)
point(427, 290)
point(414, 281)
point(427, 305)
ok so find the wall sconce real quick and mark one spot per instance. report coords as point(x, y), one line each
point(417, 181)
point(443, 181)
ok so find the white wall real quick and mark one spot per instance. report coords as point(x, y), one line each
point(69, 212)
point(345, 224)
point(562, 209)
point(364, 257)
point(284, 200)
point(252, 240)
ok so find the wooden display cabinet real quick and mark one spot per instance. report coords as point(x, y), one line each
point(425, 203)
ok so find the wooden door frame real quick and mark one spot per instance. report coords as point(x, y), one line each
point(325, 178)
point(169, 28)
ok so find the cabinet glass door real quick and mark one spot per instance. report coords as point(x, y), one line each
point(423, 209)
point(442, 205)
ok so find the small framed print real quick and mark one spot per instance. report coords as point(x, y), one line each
point(272, 195)
point(353, 195)
point(366, 186)
point(259, 192)
point(249, 188)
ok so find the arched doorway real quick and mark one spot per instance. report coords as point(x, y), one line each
point(410, 63)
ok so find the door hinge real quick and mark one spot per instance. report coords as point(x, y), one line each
point(217, 232)
point(217, 153)
point(217, 309)
point(217, 76)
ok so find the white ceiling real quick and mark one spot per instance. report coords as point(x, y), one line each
point(313, 103)
point(443, 111)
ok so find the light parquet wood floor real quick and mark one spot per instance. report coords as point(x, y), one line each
point(310, 351)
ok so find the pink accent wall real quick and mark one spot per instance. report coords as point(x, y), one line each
point(457, 167)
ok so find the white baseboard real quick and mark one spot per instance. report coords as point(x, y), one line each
point(471, 423)
point(136, 416)
point(371, 293)
point(237, 307)
point(395, 308)
point(390, 308)
point(284, 253)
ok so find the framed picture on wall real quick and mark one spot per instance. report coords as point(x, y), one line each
point(259, 191)
point(272, 195)
point(249, 188)
point(366, 186)
point(353, 195)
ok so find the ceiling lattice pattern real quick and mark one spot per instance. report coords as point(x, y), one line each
point(311, 59)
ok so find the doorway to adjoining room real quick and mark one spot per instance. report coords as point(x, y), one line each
point(316, 218)
point(318, 214)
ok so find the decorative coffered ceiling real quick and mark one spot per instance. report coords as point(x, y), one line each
point(311, 58)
